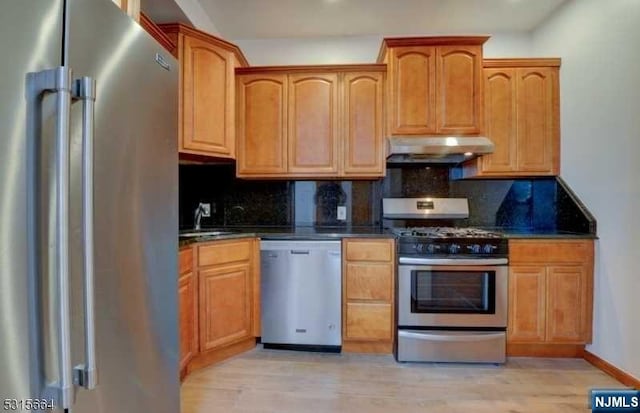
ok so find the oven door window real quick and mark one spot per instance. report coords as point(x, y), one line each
point(471, 292)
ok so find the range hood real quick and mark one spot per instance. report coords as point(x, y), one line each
point(437, 149)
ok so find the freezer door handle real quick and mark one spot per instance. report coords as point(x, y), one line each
point(57, 81)
point(86, 375)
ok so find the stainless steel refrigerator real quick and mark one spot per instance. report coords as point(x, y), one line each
point(88, 211)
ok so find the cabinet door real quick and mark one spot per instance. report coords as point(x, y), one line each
point(369, 281)
point(362, 124)
point(313, 124)
point(412, 74)
point(368, 321)
point(207, 99)
point(459, 90)
point(500, 119)
point(188, 312)
point(538, 130)
point(225, 305)
point(262, 124)
point(526, 304)
point(566, 304)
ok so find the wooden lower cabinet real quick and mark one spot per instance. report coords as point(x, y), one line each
point(550, 297)
point(219, 301)
point(225, 305)
point(187, 308)
point(368, 284)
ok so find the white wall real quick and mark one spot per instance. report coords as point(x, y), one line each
point(353, 49)
point(600, 118)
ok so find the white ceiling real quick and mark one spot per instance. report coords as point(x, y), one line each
point(257, 19)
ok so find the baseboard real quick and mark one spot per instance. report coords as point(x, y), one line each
point(618, 374)
point(383, 347)
point(545, 350)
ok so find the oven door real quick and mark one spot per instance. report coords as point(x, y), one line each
point(470, 293)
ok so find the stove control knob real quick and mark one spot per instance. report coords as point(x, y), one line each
point(454, 248)
point(474, 249)
point(419, 247)
point(431, 248)
point(488, 248)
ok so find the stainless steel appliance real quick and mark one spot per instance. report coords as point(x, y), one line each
point(452, 286)
point(88, 211)
point(301, 295)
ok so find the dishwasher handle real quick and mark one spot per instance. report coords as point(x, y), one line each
point(300, 252)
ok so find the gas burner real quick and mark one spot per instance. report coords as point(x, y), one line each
point(445, 232)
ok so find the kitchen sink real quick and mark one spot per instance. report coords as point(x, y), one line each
point(204, 234)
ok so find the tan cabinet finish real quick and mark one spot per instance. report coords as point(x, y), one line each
point(459, 94)
point(262, 124)
point(522, 119)
point(550, 295)
point(412, 90)
point(207, 92)
point(219, 296)
point(434, 85)
point(313, 124)
point(311, 121)
point(362, 124)
point(187, 308)
point(368, 286)
point(225, 305)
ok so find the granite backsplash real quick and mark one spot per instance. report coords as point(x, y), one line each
point(540, 204)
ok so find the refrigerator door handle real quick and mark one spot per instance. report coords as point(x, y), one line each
point(86, 375)
point(58, 81)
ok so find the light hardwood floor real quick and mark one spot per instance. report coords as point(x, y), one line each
point(285, 381)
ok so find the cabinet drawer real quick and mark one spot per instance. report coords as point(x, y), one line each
point(224, 252)
point(369, 250)
point(369, 281)
point(368, 321)
point(185, 260)
point(545, 251)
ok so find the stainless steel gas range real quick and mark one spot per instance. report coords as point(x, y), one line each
point(452, 285)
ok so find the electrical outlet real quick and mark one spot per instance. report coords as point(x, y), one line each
point(206, 210)
point(342, 213)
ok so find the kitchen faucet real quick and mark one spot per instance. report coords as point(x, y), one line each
point(198, 215)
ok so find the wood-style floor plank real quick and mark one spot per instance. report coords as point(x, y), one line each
point(286, 381)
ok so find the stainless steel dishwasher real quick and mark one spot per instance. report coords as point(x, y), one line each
point(301, 295)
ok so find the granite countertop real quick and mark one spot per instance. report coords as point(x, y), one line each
point(542, 234)
point(329, 233)
point(290, 233)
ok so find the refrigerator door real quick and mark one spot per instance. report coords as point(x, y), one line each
point(135, 212)
point(30, 41)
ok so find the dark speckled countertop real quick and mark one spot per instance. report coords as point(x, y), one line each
point(324, 233)
point(288, 233)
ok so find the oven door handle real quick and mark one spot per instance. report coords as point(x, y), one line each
point(448, 337)
point(453, 261)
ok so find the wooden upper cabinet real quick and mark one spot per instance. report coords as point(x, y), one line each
point(521, 118)
point(313, 124)
point(157, 33)
point(262, 124)
point(412, 90)
point(500, 124)
point(207, 92)
point(435, 85)
point(207, 98)
point(362, 102)
point(459, 81)
point(310, 121)
point(537, 113)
